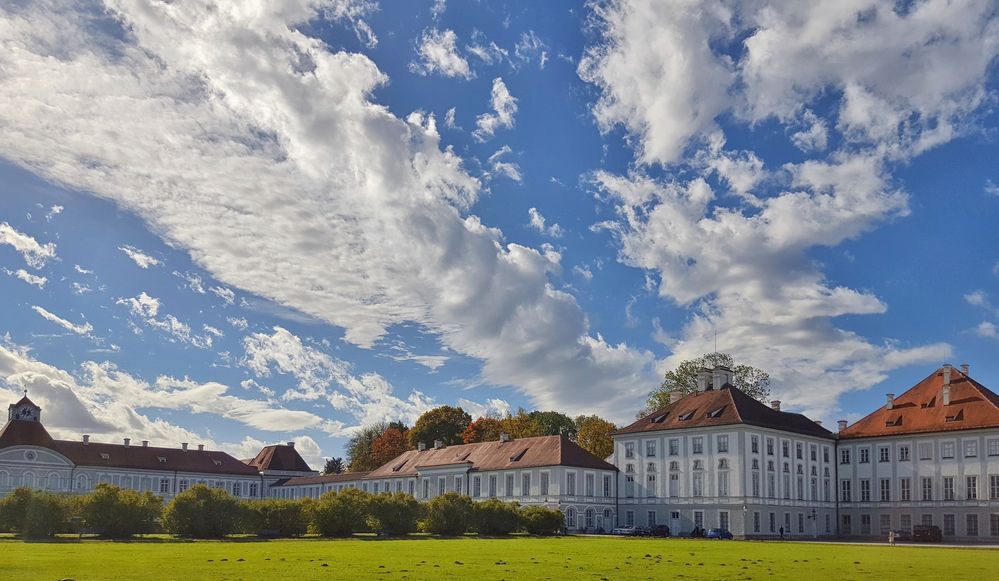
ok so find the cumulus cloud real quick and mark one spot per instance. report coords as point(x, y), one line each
point(194, 281)
point(34, 254)
point(139, 257)
point(438, 53)
point(27, 277)
point(539, 223)
point(504, 108)
point(226, 294)
point(499, 167)
point(987, 329)
point(204, 144)
point(83, 329)
point(147, 309)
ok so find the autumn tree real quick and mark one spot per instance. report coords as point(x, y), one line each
point(522, 425)
point(753, 381)
point(594, 435)
point(359, 456)
point(388, 446)
point(482, 430)
point(334, 466)
point(555, 423)
point(445, 423)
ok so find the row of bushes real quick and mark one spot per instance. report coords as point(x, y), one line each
point(202, 512)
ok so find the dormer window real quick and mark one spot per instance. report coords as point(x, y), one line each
point(659, 419)
point(217, 462)
point(716, 413)
point(105, 456)
point(956, 417)
point(894, 422)
point(516, 457)
point(687, 416)
point(930, 403)
point(398, 466)
point(162, 459)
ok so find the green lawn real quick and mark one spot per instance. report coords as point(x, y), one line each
point(484, 559)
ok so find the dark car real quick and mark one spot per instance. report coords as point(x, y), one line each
point(643, 532)
point(927, 533)
point(901, 535)
point(661, 531)
point(718, 534)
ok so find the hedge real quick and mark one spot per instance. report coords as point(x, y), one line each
point(449, 514)
point(341, 514)
point(113, 512)
point(204, 513)
point(539, 520)
point(495, 517)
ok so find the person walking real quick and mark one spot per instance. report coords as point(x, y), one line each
point(891, 538)
point(782, 533)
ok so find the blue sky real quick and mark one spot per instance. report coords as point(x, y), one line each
point(242, 223)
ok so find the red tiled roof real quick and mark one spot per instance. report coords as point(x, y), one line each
point(519, 453)
point(24, 400)
point(25, 433)
point(324, 478)
point(921, 410)
point(721, 407)
point(279, 458)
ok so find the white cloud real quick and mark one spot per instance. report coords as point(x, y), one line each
point(814, 136)
point(53, 212)
point(225, 294)
point(490, 53)
point(538, 222)
point(83, 329)
point(438, 8)
point(530, 48)
point(139, 257)
point(987, 329)
point(147, 308)
point(449, 119)
point(498, 167)
point(991, 188)
point(583, 271)
point(34, 254)
point(214, 331)
point(238, 322)
point(82, 270)
point(438, 53)
point(27, 277)
point(80, 288)
point(504, 108)
point(194, 281)
point(206, 144)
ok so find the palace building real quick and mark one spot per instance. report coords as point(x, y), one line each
point(714, 458)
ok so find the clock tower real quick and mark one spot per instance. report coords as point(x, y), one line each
point(25, 410)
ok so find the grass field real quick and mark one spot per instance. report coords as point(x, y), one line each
point(486, 559)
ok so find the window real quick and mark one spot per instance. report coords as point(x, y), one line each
point(905, 489)
point(815, 489)
point(723, 520)
point(476, 486)
point(927, 519)
point(674, 447)
point(459, 485)
point(756, 522)
point(994, 525)
point(544, 484)
point(993, 447)
point(629, 518)
point(756, 464)
point(906, 522)
point(884, 520)
point(756, 484)
point(844, 456)
point(699, 518)
point(947, 450)
point(589, 483)
point(629, 485)
point(570, 518)
point(885, 491)
point(525, 484)
point(723, 485)
point(825, 489)
point(253, 490)
point(925, 451)
point(723, 463)
point(629, 449)
point(722, 443)
point(801, 522)
point(754, 442)
point(865, 524)
point(948, 487)
point(846, 527)
point(799, 453)
point(865, 490)
point(650, 449)
point(994, 487)
point(589, 518)
point(927, 489)
point(972, 523)
point(770, 447)
point(785, 448)
point(825, 454)
point(237, 489)
point(570, 483)
point(698, 485)
point(698, 464)
point(883, 454)
point(773, 522)
point(426, 487)
point(650, 467)
point(650, 488)
point(412, 488)
point(442, 485)
point(844, 490)
point(948, 528)
point(801, 488)
point(652, 518)
point(972, 488)
point(865, 456)
point(903, 453)
point(813, 452)
point(674, 485)
point(971, 448)
point(787, 486)
point(607, 485)
point(697, 445)
point(771, 486)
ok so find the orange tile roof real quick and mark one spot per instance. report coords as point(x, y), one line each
point(323, 479)
point(921, 410)
point(722, 407)
point(279, 457)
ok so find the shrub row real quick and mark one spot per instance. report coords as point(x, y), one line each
point(202, 512)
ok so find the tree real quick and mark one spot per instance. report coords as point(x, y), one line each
point(522, 425)
point(33, 514)
point(277, 517)
point(203, 513)
point(394, 515)
point(594, 435)
point(334, 466)
point(495, 517)
point(555, 423)
point(388, 446)
point(359, 457)
point(117, 513)
point(753, 381)
point(448, 514)
point(539, 520)
point(444, 423)
point(341, 514)
point(482, 430)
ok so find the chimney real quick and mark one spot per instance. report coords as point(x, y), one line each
point(675, 396)
point(86, 439)
point(201, 447)
point(946, 373)
point(965, 368)
point(946, 394)
point(703, 379)
point(145, 443)
point(183, 446)
point(841, 424)
point(128, 441)
point(421, 446)
point(504, 437)
point(438, 444)
point(718, 377)
point(291, 444)
point(889, 401)
point(775, 404)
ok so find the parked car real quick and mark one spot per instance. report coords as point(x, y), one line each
point(927, 533)
point(901, 535)
point(718, 534)
point(627, 531)
point(661, 531)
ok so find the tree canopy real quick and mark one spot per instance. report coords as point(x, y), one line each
point(594, 435)
point(482, 430)
point(445, 423)
point(388, 446)
point(334, 466)
point(359, 456)
point(753, 381)
point(555, 423)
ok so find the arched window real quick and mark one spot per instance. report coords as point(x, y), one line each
point(54, 482)
point(4, 479)
point(589, 518)
point(82, 483)
point(28, 479)
point(570, 518)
